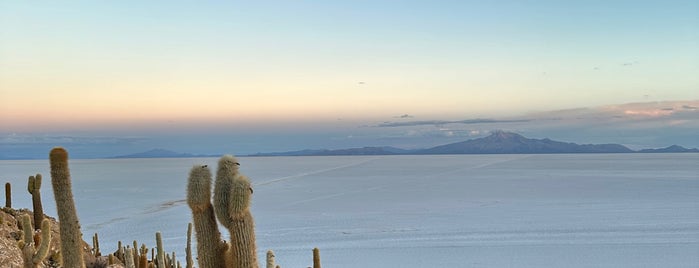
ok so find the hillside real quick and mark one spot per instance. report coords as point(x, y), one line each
point(501, 142)
point(10, 232)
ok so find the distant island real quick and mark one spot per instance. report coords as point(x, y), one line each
point(498, 142)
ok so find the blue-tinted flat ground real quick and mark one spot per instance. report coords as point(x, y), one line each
point(591, 210)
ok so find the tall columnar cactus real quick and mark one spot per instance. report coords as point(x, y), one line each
point(161, 250)
point(33, 254)
point(8, 195)
point(96, 246)
point(173, 262)
point(270, 259)
point(34, 188)
point(188, 250)
point(128, 258)
point(135, 253)
point(232, 194)
point(210, 249)
point(316, 258)
point(71, 238)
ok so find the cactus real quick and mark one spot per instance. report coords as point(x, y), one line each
point(173, 262)
point(316, 258)
point(34, 188)
point(270, 259)
point(188, 250)
point(31, 254)
point(8, 195)
point(143, 258)
point(161, 250)
point(119, 253)
point(71, 238)
point(129, 259)
point(96, 246)
point(210, 250)
point(232, 205)
point(135, 254)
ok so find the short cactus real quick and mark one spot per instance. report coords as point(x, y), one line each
point(8, 195)
point(71, 237)
point(32, 254)
point(34, 188)
point(96, 246)
point(143, 257)
point(270, 259)
point(188, 250)
point(232, 194)
point(210, 249)
point(316, 258)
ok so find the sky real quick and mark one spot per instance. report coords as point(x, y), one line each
point(114, 77)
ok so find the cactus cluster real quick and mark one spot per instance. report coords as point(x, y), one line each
point(34, 251)
point(231, 208)
point(231, 204)
point(232, 195)
point(137, 257)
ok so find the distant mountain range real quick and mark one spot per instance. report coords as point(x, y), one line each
point(499, 142)
point(161, 153)
point(670, 149)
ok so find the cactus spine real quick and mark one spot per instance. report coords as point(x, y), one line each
point(8, 195)
point(71, 238)
point(232, 205)
point(210, 249)
point(34, 188)
point(33, 255)
point(316, 258)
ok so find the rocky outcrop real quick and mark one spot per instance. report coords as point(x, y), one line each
point(10, 234)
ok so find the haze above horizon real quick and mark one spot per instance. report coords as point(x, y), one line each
point(119, 77)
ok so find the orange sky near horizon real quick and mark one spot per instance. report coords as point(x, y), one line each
point(131, 64)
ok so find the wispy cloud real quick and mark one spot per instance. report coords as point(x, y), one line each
point(404, 116)
point(629, 111)
point(638, 125)
point(14, 138)
point(445, 122)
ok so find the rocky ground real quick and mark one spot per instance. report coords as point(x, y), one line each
point(10, 233)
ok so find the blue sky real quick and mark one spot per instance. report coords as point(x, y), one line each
point(243, 77)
